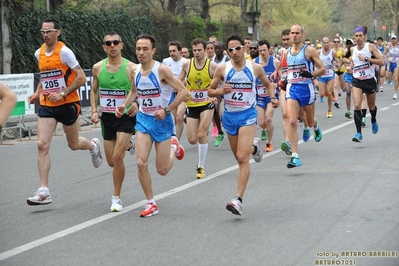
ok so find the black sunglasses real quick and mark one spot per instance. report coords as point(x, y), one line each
point(115, 42)
point(253, 48)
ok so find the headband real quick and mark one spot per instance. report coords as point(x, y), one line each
point(359, 28)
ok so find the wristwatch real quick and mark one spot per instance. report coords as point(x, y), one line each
point(274, 97)
point(366, 59)
point(63, 94)
point(167, 111)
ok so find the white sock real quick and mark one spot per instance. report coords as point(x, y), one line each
point(202, 151)
point(151, 201)
point(44, 190)
point(174, 146)
point(95, 150)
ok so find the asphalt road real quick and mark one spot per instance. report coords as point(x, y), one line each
point(338, 207)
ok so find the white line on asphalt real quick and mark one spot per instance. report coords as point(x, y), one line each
point(79, 227)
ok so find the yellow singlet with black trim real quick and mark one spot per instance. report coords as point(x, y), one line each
point(198, 81)
point(340, 55)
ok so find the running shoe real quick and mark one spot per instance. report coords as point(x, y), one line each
point(363, 121)
point(96, 157)
point(263, 135)
point(269, 147)
point(322, 99)
point(179, 152)
point(200, 173)
point(215, 132)
point(374, 127)
point(294, 162)
point(381, 89)
point(219, 140)
point(235, 206)
point(357, 138)
point(329, 114)
point(317, 134)
point(116, 204)
point(286, 147)
point(306, 134)
point(40, 198)
point(150, 209)
point(395, 96)
point(348, 115)
point(336, 104)
point(132, 149)
point(258, 154)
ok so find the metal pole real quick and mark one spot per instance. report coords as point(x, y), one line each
point(375, 20)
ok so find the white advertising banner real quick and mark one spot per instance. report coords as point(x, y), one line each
point(22, 85)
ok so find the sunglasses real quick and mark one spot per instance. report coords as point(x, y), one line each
point(237, 48)
point(253, 48)
point(114, 42)
point(336, 41)
point(47, 31)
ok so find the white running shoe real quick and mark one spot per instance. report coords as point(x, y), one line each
point(235, 206)
point(97, 157)
point(116, 204)
point(395, 96)
point(132, 150)
point(40, 198)
point(258, 155)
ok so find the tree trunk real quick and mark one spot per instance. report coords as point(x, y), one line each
point(54, 4)
point(172, 6)
point(5, 47)
point(205, 9)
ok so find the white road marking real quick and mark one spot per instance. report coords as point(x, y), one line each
point(15, 251)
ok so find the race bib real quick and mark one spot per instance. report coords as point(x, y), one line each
point(240, 95)
point(293, 73)
point(52, 81)
point(198, 96)
point(363, 71)
point(110, 99)
point(150, 100)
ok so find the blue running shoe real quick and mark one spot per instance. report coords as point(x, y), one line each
point(374, 127)
point(357, 138)
point(317, 134)
point(295, 162)
point(322, 99)
point(286, 147)
point(306, 134)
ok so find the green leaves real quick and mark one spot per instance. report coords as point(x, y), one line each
point(82, 31)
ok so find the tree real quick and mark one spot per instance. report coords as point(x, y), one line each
point(205, 9)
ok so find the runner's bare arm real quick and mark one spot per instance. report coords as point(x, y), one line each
point(218, 76)
point(80, 80)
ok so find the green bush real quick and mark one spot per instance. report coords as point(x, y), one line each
point(81, 31)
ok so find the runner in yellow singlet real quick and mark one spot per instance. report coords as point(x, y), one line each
point(339, 70)
point(198, 72)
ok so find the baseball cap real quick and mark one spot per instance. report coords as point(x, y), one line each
point(349, 41)
point(393, 37)
point(253, 44)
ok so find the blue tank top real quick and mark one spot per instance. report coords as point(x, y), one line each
point(297, 63)
point(269, 68)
